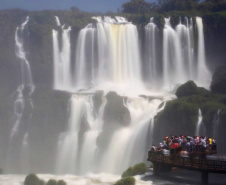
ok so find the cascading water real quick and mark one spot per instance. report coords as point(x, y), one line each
point(216, 124)
point(173, 64)
point(62, 58)
point(108, 58)
point(204, 77)
point(197, 132)
point(118, 58)
point(77, 147)
point(152, 69)
point(18, 143)
point(78, 150)
point(184, 33)
point(178, 53)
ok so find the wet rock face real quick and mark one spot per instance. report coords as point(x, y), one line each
point(116, 116)
point(190, 88)
point(218, 84)
point(187, 89)
point(97, 101)
point(115, 112)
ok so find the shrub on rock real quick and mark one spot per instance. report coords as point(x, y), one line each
point(190, 88)
point(42, 182)
point(61, 182)
point(218, 84)
point(31, 179)
point(137, 169)
point(140, 168)
point(126, 181)
point(52, 182)
point(187, 89)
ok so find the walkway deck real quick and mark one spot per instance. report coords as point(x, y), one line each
point(195, 164)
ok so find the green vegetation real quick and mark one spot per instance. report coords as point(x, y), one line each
point(180, 116)
point(61, 182)
point(190, 88)
point(31, 179)
point(126, 181)
point(52, 182)
point(218, 84)
point(137, 169)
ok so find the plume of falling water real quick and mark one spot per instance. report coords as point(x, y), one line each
point(85, 58)
point(82, 112)
point(197, 133)
point(62, 58)
point(22, 95)
point(150, 33)
point(204, 75)
point(133, 143)
point(173, 63)
point(118, 57)
point(216, 124)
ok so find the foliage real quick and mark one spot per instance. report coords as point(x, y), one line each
point(61, 182)
point(52, 182)
point(138, 7)
point(42, 182)
point(190, 88)
point(181, 5)
point(187, 89)
point(218, 84)
point(137, 169)
point(126, 181)
point(31, 179)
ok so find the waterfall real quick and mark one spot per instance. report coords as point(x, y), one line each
point(197, 132)
point(151, 67)
point(108, 58)
point(173, 64)
point(204, 76)
point(80, 138)
point(85, 66)
point(185, 33)
point(62, 58)
point(216, 124)
point(178, 53)
point(58, 21)
point(78, 151)
point(22, 104)
point(118, 61)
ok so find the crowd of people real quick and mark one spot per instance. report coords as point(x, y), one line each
point(187, 143)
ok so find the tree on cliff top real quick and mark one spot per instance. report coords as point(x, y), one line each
point(138, 6)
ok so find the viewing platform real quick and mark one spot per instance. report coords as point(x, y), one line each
point(164, 163)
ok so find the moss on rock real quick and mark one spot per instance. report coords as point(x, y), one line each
point(190, 88)
point(137, 169)
point(218, 84)
point(31, 179)
point(61, 182)
point(52, 182)
point(126, 181)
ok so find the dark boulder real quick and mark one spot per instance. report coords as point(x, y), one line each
point(52, 182)
point(218, 84)
point(126, 181)
point(31, 179)
point(115, 112)
point(187, 89)
point(190, 88)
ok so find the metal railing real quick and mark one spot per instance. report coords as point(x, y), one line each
point(191, 162)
